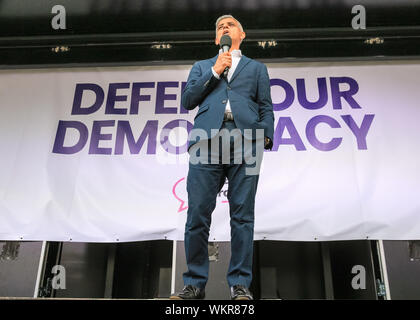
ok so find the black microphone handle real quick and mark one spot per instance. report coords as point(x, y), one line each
point(225, 73)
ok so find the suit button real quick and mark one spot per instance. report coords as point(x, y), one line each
point(228, 88)
point(224, 101)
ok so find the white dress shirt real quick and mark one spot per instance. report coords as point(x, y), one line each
point(236, 56)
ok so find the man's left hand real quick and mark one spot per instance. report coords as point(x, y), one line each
point(268, 144)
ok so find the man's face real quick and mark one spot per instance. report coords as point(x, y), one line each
point(230, 27)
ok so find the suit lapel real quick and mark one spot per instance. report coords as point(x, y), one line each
point(242, 63)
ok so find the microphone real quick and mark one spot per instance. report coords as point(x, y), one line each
point(225, 44)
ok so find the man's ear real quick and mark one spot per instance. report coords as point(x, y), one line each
point(243, 35)
point(216, 42)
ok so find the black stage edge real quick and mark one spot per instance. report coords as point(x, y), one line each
point(207, 309)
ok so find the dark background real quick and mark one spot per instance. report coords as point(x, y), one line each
point(130, 32)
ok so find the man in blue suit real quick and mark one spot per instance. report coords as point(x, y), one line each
point(239, 101)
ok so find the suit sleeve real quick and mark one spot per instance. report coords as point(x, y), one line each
point(199, 85)
point(265, 103)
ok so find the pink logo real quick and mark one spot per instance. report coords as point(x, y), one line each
point(181, 207)
point(177, 191)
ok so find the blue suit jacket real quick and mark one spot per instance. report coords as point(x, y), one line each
point(248, 92)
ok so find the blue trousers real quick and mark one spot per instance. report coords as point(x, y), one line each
point(204, 182)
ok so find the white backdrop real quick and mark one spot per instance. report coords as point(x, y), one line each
point(347, 170)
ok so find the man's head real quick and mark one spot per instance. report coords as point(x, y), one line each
point(227, 24)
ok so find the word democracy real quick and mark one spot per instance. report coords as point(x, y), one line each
point(133, 113)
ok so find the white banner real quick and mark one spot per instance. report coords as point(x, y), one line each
point(83, 157)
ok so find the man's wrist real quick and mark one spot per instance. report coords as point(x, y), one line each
point(216, 75)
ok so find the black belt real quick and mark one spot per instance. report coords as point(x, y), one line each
point(228, 116)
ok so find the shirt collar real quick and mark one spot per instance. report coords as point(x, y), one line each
point(235, 53)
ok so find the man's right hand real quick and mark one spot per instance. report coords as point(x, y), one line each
point(223, 60)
